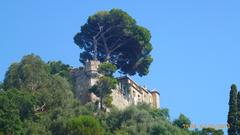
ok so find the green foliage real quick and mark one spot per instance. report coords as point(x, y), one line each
point(30, 74)
point(114, 36)
point(58, 127)
point(61, 69)
point(34, 128)
point(9, 110)
point(84, 125)
point(108, 101)
point(10, 80)
point(238, 113)
point(53, 94)
point(1, 86)
point(140, 119)
point(164, 113)
point(212, 131)
point(57, 93)
point(196, 132)
point(51, 109)
point(107, 69)
point(182, 122)
point(57, 67)
point(14, 108)
point(232, 114)
point(120, 132)
point(105, 84)
point(103, 88)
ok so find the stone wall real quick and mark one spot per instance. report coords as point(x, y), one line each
point(81, 84)
point(119, 100)
point(156, 99)
point(87, 76)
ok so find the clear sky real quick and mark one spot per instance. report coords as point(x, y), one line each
point(196, 45)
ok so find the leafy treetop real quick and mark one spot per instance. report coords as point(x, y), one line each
point(115, 37)
point(182, 122)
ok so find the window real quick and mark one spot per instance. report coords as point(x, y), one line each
point(134, 94)
point(139, 97)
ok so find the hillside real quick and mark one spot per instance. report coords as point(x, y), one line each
point(38, 98)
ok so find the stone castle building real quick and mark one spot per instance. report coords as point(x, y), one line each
point(126, 93)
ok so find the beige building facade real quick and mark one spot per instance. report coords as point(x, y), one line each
point(126, 93)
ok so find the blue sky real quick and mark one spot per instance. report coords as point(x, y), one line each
point(196, 45)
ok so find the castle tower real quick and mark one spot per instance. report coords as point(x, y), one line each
point(91, 68)
point(86, 77)
point(155, 98)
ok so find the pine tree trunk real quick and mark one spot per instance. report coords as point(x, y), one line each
point(101, 103)
point(108, 57)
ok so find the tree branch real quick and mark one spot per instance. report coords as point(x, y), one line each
point(40, 109)
point(95, 41)
point(98, 36)
point(115, 43)
point(119, 45)
point(110, 28)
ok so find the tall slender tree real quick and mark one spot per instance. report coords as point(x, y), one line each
point(238, 113)
point(232, 114)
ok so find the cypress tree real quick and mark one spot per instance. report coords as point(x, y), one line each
point(232, 114)
point(238, 113)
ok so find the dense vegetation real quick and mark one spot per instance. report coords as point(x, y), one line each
point(37, 98)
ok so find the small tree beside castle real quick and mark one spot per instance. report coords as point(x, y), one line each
point(106, 83)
